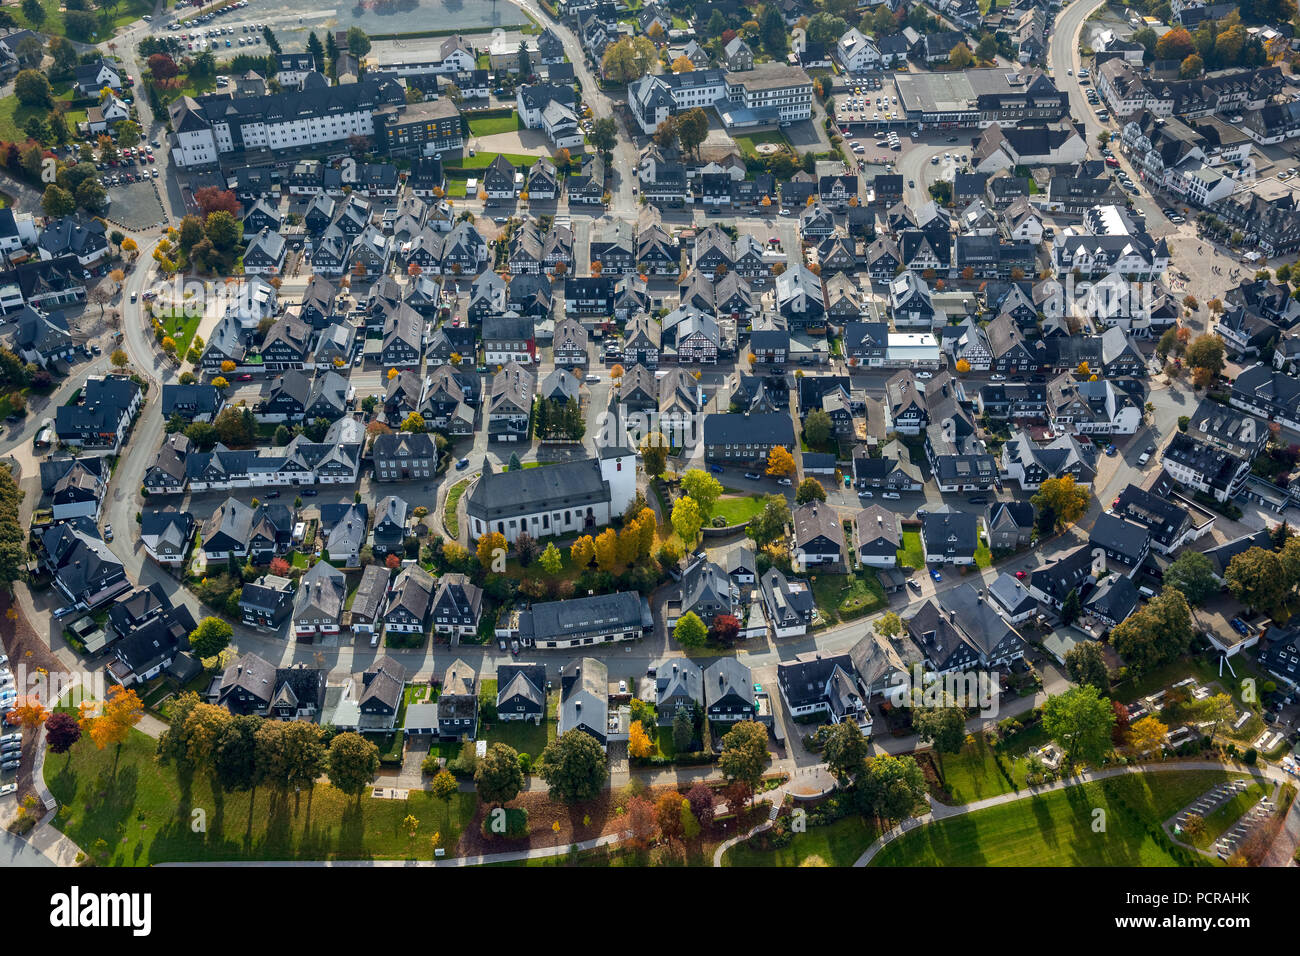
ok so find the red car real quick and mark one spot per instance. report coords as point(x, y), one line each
point(246, 378)
point(1020, 575)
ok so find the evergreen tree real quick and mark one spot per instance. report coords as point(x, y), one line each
point(317, 52)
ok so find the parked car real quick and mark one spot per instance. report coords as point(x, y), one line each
point(785, 481)
point(864, 493)
point(462, 464)
point(934, 573)
point(914, 585)
point(892, 495)
point(715, 469)
point(753, 476)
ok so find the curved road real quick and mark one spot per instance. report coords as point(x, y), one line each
point(1063, 55)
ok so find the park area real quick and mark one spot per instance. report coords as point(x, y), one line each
point(1057, 828)
point(129, 810)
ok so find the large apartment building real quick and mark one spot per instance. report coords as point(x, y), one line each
point(207, 128)
point(769, 93)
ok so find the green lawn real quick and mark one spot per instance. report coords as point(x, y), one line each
point(449, 519)
point(911, 555)
point(973, 774)
point(983, 556)
point(738, 509)
point(142, 813)
point(846, 596)
point(836, 844)
point(489, 125)
point(14, 116)
point(749, 141)
point(525, 736)
point(108, 22)
point(484, 160)
point(1056, 829)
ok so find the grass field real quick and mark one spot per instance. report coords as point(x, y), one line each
point(836, 844)
point(14, 116)
point(142, 813)
point(738, 509)
point(846, 596)
point(983, 556)
point(1056, 829)
point(484, 160)
point(107, 22)
point(973, 774)
point(749, 141)
point(489, 125)
point(911, 554)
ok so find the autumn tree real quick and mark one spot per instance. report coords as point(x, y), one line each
point(119, 713)
point(1147, 736)
point(61, 732)
point(1063, 498)
point(491, 551)
point(582, 552)
point(628, 58)
point(606, 548)
point(638, 741)
point(780, 462)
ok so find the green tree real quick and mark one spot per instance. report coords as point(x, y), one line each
point(702, 488)
point(317, 52)
point(687, 519)
point(1155, 635)
point(769, 524)
point(1086, 664)
point(1071, 607)
point(773, 32)
point(573, 766)
point(690, 631)
point(817, 428)
point(942, 726)
point(604, 134)
point(744, 755)
point(893, 788)
point(552, 560)
point(845, 751)
point(683, 731)
point(57, 202)
point(32, 88)
point(810, 489)
point(1258, 579)
point(210, 637)
point(499, 777)
point(235, 757)
point(222, 230)
point(352, 763)
point(1192, 573)
point(654, 456)
point(888, 625)
point(1080, 720)
point(960, 57)
point(628, 58)
point(358, 42)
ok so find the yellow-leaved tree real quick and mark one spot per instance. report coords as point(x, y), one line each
point(638, 741)
point(780, 462)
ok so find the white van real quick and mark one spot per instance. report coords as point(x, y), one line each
point(891, 495)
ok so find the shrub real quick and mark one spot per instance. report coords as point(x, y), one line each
point(516, 824)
